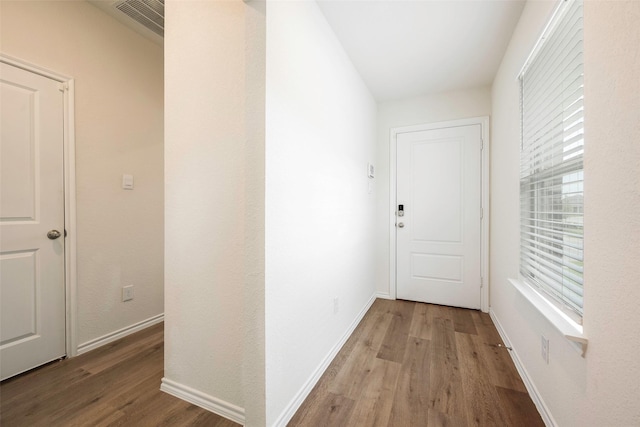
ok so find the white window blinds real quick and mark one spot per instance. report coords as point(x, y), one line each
point(551, 179)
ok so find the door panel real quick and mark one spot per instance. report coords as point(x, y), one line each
point(19, 317)
point(32, 298)
point(439, 185)
point(438, 267)
point(18, 149)
point(438, 162)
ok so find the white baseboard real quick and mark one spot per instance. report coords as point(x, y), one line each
point(120, 333)
point(203, 400)
point(383, 295)
point(295, 403)
point(531, 388)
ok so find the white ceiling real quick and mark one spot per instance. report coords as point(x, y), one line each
point(409, 48)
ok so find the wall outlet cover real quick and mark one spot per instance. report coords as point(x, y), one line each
point(545, 349)
point(127, 293)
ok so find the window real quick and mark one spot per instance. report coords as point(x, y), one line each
point(551, 170)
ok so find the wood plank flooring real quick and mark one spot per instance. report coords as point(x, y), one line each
point(406, 364)
point(115, 385)
point(414, 364)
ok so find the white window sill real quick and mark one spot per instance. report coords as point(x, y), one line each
point(563, 323)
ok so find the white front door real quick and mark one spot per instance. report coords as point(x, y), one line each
point(438, 235)
point(32, 293)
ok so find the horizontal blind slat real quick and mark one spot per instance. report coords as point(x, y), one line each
point(551, 163)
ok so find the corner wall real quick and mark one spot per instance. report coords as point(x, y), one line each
point(119, 129)
point(320, 135)
point(254, 293)
point(600, 389)
point(205, 202)
point(405, 112)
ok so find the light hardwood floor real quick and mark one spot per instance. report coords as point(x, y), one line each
point(406, 364)
point(115, 385)
point(413, 364)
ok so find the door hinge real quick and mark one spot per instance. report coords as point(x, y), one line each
point(63, 86)
point(481, 212)
point(481, 144)
point(481, 282)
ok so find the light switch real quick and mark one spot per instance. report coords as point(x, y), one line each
point(127, 182)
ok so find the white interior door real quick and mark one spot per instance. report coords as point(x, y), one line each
point(438, 238)
point(32, 293)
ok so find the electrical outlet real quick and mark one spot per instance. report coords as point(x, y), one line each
point(127, 293)
point(545, 349)
point(336, 305)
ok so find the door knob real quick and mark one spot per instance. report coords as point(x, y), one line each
point(401, 224)
point(53, 234)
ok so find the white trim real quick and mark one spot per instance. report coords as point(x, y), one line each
point(28, 66)
point(528, 382)
point(120, 333)
point(383, 295)
point(484, 226)
point(203, 400)
point(393, 138)
point(69, 144)
point(303, 393)
point(70, 219)
point(571, 330)
point(486, 208)
point(558, 12)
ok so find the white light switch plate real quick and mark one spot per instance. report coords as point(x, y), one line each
point(127, 182)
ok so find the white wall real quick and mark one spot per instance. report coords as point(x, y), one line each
point(320, 135)
point(254, 259)
point(205, 197)
point(600, 389)
point(253, 368)
point(119, 129)
point(426, 109)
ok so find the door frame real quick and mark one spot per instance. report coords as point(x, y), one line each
point(69, 148)
point(484, 225)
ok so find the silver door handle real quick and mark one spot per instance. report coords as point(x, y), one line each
point(401, 224)
point(53, 234)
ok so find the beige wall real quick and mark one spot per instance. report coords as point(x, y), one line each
point(602, 388)
point(612, 206)
point(256, 161)
point(119, 129)
point(206, 202)
point(253, 368)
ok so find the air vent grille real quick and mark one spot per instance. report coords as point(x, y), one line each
point(149, 13)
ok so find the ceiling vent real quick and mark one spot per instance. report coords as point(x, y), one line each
point(149, 13)
point(146, 17)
